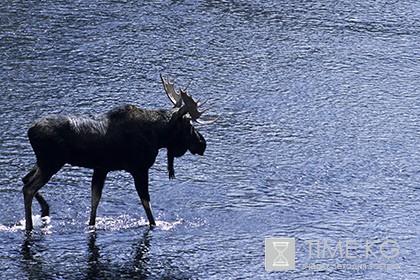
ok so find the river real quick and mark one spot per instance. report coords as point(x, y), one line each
point(318, 139)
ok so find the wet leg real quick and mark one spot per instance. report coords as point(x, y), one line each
point(29, 176)
point(141, 180)
point(98, 180)
point(38, 180)
point(45, 208)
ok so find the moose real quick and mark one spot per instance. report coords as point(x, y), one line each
point(125, 138)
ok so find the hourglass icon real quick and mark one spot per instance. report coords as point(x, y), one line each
point(280, 247)
point(280, 253)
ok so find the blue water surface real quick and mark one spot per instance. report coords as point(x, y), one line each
point(318, 140)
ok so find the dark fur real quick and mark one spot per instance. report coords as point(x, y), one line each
point(125, 138)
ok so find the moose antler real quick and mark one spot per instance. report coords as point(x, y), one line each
point(192, 108)
point(169, 87)
point(190, 105)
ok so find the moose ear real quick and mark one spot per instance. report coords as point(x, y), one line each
point(179, 113)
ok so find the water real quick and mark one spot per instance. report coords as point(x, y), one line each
point(319, 137)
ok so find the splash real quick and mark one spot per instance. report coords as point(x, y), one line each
point(126, 222)
point(39, 222)
point(166, 226)
point(121, 222)
point(118, 223)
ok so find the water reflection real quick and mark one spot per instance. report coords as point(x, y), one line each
point(100, 263)
point(100, 267)
point(32, 263)
point(141, 257)
point(26, 249)
point(105, 263)
point(94, 268)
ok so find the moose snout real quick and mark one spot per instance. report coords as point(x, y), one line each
point(201, 149)
point(198, 149)
point(200, 153)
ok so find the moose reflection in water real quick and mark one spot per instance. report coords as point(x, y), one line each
point(125, 138)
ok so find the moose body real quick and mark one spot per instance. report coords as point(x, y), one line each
point(126, 138)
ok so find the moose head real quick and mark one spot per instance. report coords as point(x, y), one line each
point(185, 113)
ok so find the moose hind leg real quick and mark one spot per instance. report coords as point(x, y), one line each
point(30, 189)
point(45, 208)
point(28, 176)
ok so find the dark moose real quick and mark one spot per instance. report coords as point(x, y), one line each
point(125, 138)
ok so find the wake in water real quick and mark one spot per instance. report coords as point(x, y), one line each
point(127, 222)
point(39, 222)
point(102, 223)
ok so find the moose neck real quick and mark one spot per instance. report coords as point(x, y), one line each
point(170, 134)
point(165, 128)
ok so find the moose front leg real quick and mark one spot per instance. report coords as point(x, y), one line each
point(141, 180)
point(98, 180)
point(171, 169)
